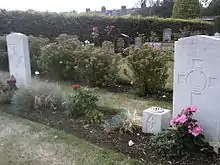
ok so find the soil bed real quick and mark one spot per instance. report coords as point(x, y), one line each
point(119, 142)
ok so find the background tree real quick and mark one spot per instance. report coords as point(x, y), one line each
point(186, 9)
point(213, 9)
point(162, 8)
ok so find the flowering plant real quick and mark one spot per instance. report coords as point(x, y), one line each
point(184, 136)
point(186, 122)
point(76, 86)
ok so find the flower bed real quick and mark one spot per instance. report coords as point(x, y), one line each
point(95, 134)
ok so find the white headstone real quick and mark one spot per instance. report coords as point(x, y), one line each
point(167, 33)
point(19, 60)
point(155, 119)
point(138, 42)
point(197, 81)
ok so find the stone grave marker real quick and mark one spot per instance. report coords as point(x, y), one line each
point(155, 119)
point(19, 60)
point(197, 81)
point(167, 33)
point(108, 47)
point(138, 42)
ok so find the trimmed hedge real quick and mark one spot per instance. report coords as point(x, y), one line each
point(51, 25)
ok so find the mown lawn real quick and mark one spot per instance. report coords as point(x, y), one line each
point(23, 142)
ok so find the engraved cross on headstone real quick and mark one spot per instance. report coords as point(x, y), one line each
point(196, 79)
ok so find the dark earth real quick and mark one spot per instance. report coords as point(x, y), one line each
point(95, 134)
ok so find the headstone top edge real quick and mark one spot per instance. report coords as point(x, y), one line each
point(197, 37)
point(16, 35)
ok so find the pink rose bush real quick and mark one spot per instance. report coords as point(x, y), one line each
point(185, 120)
point(184, 136)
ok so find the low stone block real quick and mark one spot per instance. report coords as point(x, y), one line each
point(155, 119)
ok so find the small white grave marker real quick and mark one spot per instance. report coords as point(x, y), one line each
point(196, 80)
point(155, 119)
point(19, 60)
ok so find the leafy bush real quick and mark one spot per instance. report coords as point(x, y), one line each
point(101, 69)
point(167, 143)
point(50, 25)
point(124, 122)
point(184, 135)
point(3, 54)
point(149, 67)
point(217, 25)
point(40, 96)
point(82, 103)
point(35, 45)
point(186, 9)
point(7, 90)
point(59, 59)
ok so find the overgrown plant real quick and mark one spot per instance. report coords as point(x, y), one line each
point(124, 122)
point(149, 67)
point(101, 68)
point(60, 59)
point(184, 135)
point(83, 103)
point(40, 96)
point(7, 90)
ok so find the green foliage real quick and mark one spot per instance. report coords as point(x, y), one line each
point(167, 144)
point(35, 45)
point(217, 25)
point(50, 25)
point(3, 54)
point(124, 122)
point(7, 90)
point(186, 9)
point(82, 103)
point(101, 68)
point(59, 59)
point(149, 67)
point(40, 96)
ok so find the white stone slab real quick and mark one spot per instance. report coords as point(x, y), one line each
point(19, 60)
point(167, 33)
point(196, 81)
point(155, 119)
point(138, 42)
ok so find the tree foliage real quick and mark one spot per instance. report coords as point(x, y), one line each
point(186, 9)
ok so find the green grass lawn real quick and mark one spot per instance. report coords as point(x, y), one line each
point(23, 142)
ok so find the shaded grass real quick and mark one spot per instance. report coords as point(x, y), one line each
point(25, 142)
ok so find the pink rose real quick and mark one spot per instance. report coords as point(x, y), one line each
point(181, 119)
point(172, 121)
point(195, 129)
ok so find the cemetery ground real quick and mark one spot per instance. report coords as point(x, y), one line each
point(83, 152)
point(27, 143)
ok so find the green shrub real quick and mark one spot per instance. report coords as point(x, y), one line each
point(186, 9)
point(60, 59)
point(167, 144)
point(149, 67)
point(217, 25)
point(3, 54)
point(124, 122)
point(7, 90)
point(82, 103)
point(35, 45)
point(101, 69)
point(40, 96)
point(50, 25)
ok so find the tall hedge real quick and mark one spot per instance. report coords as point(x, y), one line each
point(51, 25)
point(186, 9)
